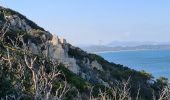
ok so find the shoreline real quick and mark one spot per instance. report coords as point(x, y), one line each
point(156, 72)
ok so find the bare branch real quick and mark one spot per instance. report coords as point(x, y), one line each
point(137, 97)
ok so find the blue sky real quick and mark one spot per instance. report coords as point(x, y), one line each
point(95, 21)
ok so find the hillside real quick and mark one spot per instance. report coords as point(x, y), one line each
point(35, 64)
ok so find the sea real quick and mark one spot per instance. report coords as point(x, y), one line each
point(156, 62)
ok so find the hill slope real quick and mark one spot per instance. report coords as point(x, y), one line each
point(35, 64)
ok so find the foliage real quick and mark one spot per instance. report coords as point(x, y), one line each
point(30, 76)
point(74, 79)
point(9, 12)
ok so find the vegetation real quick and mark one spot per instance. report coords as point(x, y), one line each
point(26, 76)
point(74, 79)
point(8, 12)
point(116, 72)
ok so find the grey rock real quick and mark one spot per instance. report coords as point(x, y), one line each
point(96, 65)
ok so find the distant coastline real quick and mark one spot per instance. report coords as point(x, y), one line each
point(127, 50)
point(105, 49)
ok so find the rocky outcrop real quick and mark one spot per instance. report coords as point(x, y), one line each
point(16, 21)
point(96, 65)
point(71, 64)
point(41, 41)
point(57, 49)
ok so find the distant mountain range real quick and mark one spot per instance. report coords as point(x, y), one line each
point(134, 43)
point(119, 46)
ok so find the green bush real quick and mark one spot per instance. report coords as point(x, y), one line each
point(73, 79)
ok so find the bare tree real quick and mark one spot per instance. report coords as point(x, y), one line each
point(137, 96)
point(42, 81)
point(8, 58)
point(164, 93)
point(120, 91)
point(5, 28)
point(103, 95)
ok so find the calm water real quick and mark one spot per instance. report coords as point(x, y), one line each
point(156, 62)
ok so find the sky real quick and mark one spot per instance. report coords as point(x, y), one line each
point(89, 22)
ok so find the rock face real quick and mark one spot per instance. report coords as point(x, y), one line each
point(71, 64)
point(33, 48)
point(15, 21)
point(96, 65)
point(54, 40)
point(57, 49)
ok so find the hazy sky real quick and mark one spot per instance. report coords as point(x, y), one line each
point(95, 21)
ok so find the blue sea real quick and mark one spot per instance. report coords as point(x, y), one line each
point(156, 62)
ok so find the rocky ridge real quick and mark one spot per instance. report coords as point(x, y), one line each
point(56, 48)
